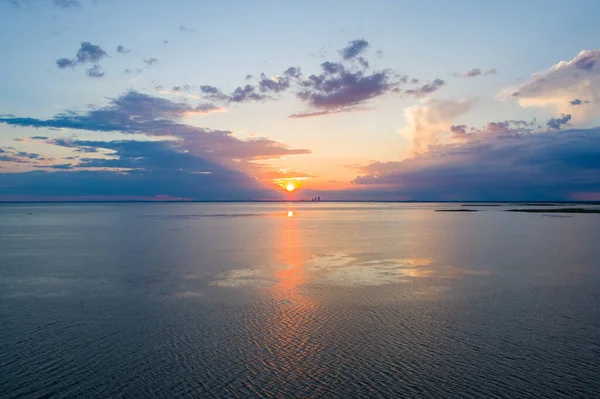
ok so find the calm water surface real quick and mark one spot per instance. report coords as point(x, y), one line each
point(297, 300)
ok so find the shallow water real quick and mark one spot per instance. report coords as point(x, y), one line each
point(297, 300)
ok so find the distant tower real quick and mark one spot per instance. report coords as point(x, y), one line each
point(319, 198)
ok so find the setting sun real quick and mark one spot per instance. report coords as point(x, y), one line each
point(290, 187)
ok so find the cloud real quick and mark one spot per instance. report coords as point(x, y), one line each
point(555, 88)
point(122, 50)
point(68, 183)
point(428, 122)
point(354, 48)
point(12, 156)
point(185, 29)
point(426, 89)
point(88, 53)
point(476, 72)
point(458, 129)
point(328, 112)
point(293, 72)
point(276, 84)
point(95, 72)
point(150, 62)
point(552, 165)
point(213, 92)
point(66, 3)
point(556, 123)
point(337, 87)
point(246, 93)
point(135, 112)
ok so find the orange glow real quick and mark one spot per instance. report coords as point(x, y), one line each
point(290, 187)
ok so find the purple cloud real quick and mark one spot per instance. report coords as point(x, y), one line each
point(354, 48)
point(556, 123)
point(494, 167)
point(426, 89)
point(87, 53)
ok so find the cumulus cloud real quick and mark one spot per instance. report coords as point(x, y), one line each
point(495, 167)
point(338, 87)
point(426, 89)
point(293, 72)
point(276, 84)
point(556, 123)
point(557, 87)
point(354, 49)
point(94, 72)
point(88, 53)
point(246, 93)
point(428, 122)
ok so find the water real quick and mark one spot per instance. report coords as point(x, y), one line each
point(297, 300)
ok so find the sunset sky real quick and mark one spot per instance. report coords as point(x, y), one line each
point(384, 100)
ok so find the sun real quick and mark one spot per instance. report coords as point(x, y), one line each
point(290, 187)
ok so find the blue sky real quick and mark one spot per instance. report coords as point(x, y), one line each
point(422, 100)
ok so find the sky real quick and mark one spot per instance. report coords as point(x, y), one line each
point(347, 100)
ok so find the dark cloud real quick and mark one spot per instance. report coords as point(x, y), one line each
point(11, 155)
point(338, 87)
point(66, 3)
point(554, 165)
point(273, 84)
point(556, 123)
point(39, 138)
point(122, 50)
point(87, 53)
point(95, 72)
point(213, 92)
point(246, 93)
point(354, 48)
point(150, 62)
point(64, 63)
point(293, 72)
point(458, 129)
point(578, 102)
point(426, 89)
point(248, 77)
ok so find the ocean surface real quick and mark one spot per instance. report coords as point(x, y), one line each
point(301, 300)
